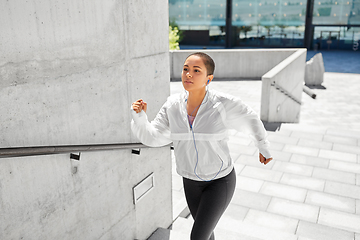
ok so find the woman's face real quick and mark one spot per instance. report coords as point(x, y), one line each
point(194, 74)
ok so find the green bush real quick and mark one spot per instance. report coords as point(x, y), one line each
point(174, 38)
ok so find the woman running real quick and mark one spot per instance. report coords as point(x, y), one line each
point(197, 123)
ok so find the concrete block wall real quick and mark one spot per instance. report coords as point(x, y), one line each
point(234, 63)
point(282, 89)
point(69, 71)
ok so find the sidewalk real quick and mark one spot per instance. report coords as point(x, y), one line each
point(312, 188)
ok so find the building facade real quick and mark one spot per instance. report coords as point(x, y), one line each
point(315, 24)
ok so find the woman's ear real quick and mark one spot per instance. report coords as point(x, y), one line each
point(210, 78)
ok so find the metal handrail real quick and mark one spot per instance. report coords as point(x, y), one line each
point(47, 150)
point(285, 92)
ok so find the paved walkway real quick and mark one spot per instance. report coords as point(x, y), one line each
point(312, 188)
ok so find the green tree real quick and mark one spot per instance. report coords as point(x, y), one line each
point(175, 35)
point(174, 38)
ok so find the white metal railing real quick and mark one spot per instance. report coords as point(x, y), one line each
point(286, 93)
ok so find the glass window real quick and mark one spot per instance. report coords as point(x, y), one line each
point(345, 38)
point(336, 12)
point(273, 23)
point(269, 22)
point(201, 21)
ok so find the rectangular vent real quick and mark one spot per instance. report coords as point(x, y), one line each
point(143, 188)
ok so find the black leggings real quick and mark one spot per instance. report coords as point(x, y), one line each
point(207, 202)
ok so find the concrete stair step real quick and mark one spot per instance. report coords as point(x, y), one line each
point(179, 204)
point(183, 225)
point(236, 230)
point(251, 231)
point(167, 234)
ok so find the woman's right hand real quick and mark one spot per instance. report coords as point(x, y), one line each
point(139, 105)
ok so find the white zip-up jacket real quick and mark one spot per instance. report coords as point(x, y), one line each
point(201, 152)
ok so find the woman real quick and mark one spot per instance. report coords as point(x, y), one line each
point(197, 122)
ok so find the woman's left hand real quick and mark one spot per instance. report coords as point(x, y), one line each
point(263, 159)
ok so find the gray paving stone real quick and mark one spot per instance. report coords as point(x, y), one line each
point(344, 133)
point(280, 155)
point(305, 128)
point(251, 200)
point(357, 236)
point(337, 155)
point(241, 149)
point(346, 221)
point(234, 156)
point(294, 168)
point(331, 201)
point(247, 231)
point(248, 160)
point(341, 140)
point(344, 166)
point(310, 161)
point(261, 173)
point(284, 191)
point(238, 167)
point(358, 206)
point(358, 179)
point(321, 232)
point(343, 189)
point(303, 182)
point(236, 212)
point(333, 175)
point(231, 235)
point(278, 222)
point(294, 210)
point(276, 146)
point(249, 184)
point(307, 135)
point(305, 238)
point(275, 137)
point(346, 148)
point(314, 152)
point(283, 132)
point(315, 144)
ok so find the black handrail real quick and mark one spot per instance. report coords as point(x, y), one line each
point(47, 150)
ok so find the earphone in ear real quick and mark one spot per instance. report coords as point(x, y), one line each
point(207, 82)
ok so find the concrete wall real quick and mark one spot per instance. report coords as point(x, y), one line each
point(42, 199)
point(69, 71)
point(280, 86)
point(234, 63)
